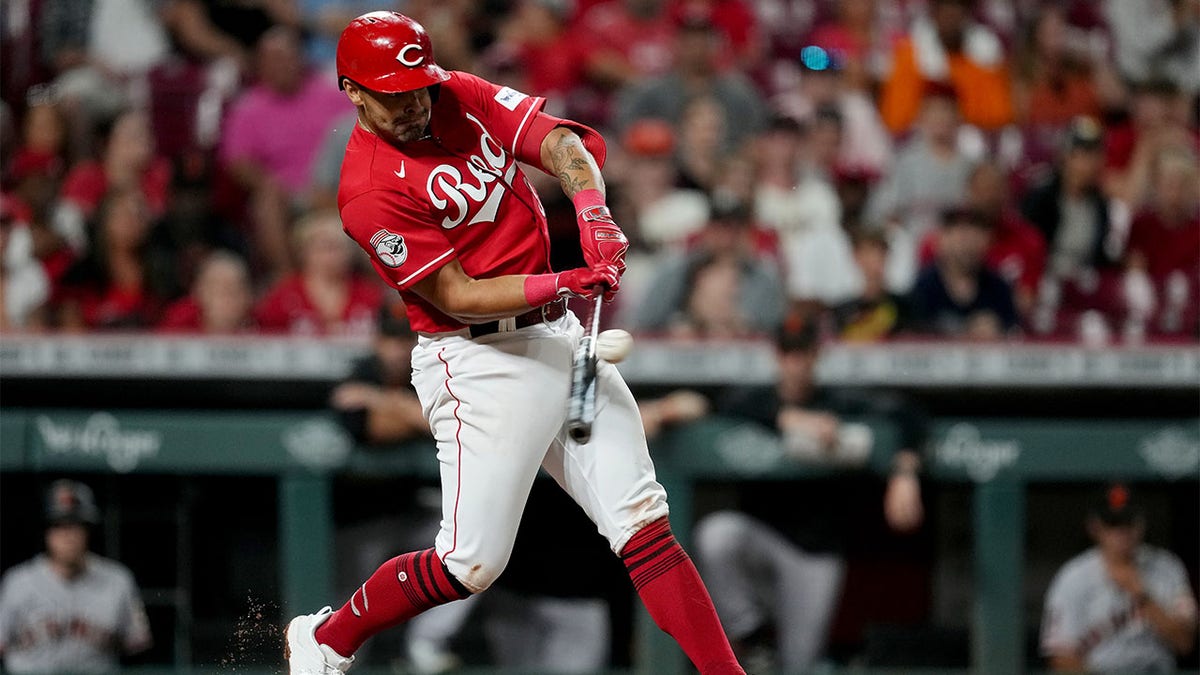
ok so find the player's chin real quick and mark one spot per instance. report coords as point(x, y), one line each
point(406, 133)
point(406, 136)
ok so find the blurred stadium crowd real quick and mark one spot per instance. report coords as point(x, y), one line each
point(957, 168)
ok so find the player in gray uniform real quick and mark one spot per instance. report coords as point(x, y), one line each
point(69, 610)
point(1122, 606)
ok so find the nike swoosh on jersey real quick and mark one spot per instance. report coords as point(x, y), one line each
point(400, 173)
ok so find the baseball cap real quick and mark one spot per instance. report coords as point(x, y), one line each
point(71, 502)
point(798, 333)
point(1085, 133)
point(1116, 506)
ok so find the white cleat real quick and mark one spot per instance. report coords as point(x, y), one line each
point(304, 655)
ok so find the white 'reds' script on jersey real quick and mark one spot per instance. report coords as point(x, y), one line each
point(446, 183)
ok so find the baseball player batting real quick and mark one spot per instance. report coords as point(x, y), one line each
point(431, 190)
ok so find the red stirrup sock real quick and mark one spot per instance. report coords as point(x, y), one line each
point(672, 591)
point(400, 589)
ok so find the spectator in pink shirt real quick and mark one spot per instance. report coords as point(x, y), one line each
point(273, 161)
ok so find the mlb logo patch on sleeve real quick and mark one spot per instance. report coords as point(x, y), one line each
point(510, 98)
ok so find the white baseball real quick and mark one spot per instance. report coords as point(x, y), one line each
point(613, 345)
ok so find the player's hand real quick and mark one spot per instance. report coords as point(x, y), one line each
point(601, 239)
point(583, 282)
point(354, 396)
point(902, 506)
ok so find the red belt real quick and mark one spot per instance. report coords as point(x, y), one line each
point(548, 312)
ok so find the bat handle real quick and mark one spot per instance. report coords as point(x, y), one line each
point(594, 321)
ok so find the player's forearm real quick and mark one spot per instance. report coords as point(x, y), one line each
point(564, 156)
point(473, 300)
point(481, 300)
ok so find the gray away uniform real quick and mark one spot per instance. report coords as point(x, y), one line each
point(51, 624)
point(1086, 613)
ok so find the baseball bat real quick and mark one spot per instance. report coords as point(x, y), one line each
point(581, 407)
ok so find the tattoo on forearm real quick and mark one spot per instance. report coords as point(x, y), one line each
point(572, 185)
point(572, 167)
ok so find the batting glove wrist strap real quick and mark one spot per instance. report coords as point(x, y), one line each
point(589, 206)
point(541, 289)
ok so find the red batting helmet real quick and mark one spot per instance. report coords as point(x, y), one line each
point(387, 52)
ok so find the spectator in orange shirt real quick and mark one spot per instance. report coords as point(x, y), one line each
point(946, 46)
point(1057, 76)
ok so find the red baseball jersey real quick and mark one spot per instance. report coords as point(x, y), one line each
point(457, 194)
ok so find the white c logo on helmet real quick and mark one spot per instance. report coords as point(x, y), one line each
point(403, 57)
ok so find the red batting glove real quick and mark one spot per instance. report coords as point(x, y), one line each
point(581, 282)
point(599, 237)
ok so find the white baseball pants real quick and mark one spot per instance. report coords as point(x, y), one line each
point(497, 408)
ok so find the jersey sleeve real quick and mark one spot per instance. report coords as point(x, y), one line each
point(517, 120)
point(403, 241)
point(1061, 623)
